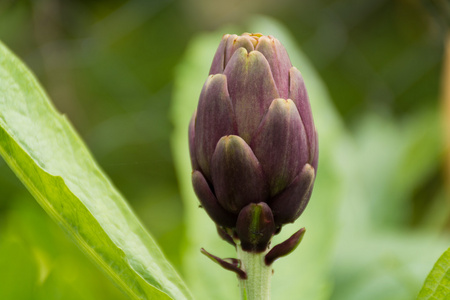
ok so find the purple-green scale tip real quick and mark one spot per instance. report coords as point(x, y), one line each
point(255, 227)
point(215, 119)
point(237, 175)
point(298, 94)
point(225, 235)
point(278, 60)
point(285, 247)
point(192, 155)
point(252, 89)
point(291, 202)
point(280, 144)
point(209, 202)
point(231, 264)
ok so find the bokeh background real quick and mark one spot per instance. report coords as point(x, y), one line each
point(113, 67)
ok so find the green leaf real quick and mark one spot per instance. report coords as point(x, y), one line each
point(48, 156)
point(437, 284)
point(38, 262)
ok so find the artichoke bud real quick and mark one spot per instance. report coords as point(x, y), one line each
point(252, 141)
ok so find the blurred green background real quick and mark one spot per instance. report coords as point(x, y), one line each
point(110, 66)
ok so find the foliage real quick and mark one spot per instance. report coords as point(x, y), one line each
point(49, 158)
point(436, 285)
point(378, 216)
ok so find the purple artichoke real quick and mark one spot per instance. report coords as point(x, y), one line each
point(252, 140)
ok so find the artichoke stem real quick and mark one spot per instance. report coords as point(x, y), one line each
point(257, 284)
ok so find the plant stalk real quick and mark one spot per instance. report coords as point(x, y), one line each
point(257, 284)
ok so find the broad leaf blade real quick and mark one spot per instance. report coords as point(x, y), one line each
point(45, 152)
point(437, 284)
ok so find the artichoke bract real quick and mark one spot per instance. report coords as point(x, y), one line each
point(252, 141)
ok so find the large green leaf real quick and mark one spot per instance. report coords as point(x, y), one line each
point(437, 284)
point(45, 152)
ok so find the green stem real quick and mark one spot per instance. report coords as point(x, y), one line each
point(257, 284)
